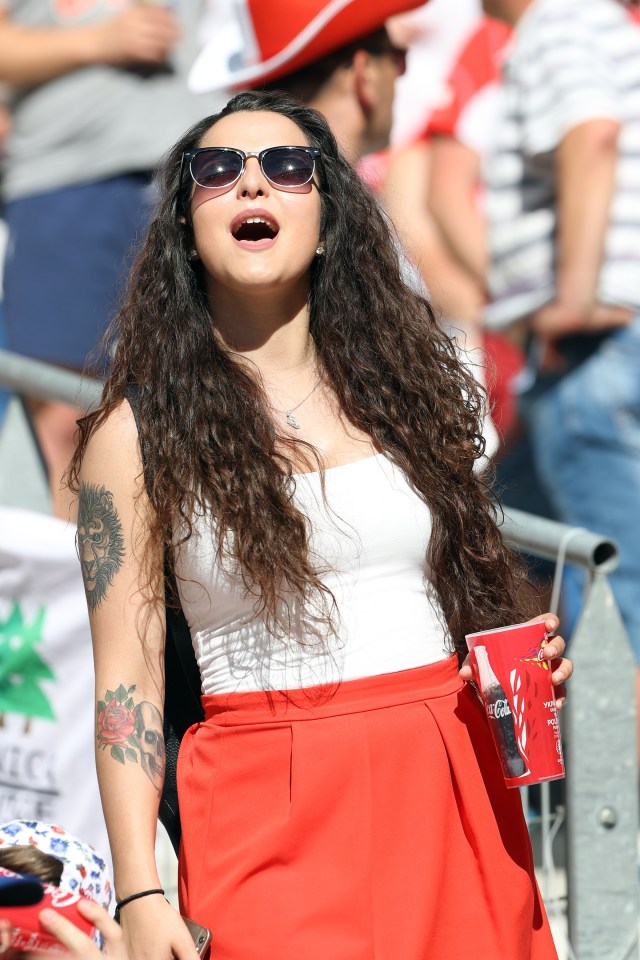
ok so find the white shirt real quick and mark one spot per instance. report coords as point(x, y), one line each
point(370, 540)
point(572, 61)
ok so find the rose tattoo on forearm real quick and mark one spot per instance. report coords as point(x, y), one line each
point(132, 732)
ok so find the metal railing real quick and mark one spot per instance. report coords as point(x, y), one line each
point(598, 724)
point(599, 732)
point(46, 382)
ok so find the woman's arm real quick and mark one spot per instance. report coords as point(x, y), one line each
point(127, 627)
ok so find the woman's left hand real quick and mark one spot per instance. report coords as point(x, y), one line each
point(561, 667)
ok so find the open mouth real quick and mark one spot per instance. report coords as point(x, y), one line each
point(255, 230)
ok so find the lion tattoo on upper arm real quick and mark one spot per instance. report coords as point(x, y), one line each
point(100, 541)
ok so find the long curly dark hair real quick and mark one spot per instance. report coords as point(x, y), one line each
point(395, 374)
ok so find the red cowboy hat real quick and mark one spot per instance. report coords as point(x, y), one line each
point(262, 40)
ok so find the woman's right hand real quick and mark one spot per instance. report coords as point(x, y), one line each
point(154, 930)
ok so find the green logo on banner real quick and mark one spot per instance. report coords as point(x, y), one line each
point(22, 668)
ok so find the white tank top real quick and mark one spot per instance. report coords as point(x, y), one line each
point(370, 540)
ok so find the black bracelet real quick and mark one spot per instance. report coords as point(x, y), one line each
point(134, 896)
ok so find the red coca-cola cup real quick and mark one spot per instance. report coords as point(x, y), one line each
point(516, 688)
point(27, 935)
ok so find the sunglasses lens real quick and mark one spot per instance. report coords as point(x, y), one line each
point(216, 168)
point(288, 168)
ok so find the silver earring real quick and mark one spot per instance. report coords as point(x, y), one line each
point(192, 254)
point(320, 250)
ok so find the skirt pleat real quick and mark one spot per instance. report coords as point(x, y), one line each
point(365, 821)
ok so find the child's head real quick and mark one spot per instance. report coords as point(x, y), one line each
point(48, 852)
point(26, 859)
point(50, 868)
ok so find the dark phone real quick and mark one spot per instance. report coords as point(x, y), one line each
point(201, 936)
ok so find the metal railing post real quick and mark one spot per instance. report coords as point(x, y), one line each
point(600, 749)
point(46, 382)
point(546, 538)
point(602, 784)
point(23, 476)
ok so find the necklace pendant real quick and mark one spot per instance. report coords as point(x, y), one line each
point(291, 420)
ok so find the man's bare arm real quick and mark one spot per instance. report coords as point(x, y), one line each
point(30, 56)
point(586, 162)
point(455, 175)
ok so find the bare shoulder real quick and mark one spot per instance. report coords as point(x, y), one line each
point(119, 427)
point(113, 449)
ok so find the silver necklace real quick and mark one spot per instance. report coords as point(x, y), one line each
point(288, 414)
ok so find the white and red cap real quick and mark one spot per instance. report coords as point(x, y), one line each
point(84, 876)
point(253, 41)
point(84, 871)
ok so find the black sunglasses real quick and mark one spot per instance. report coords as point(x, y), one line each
point(218, 167)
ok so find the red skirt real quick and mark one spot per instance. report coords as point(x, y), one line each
point(367, 821)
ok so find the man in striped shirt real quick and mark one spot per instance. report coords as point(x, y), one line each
point(563, 206)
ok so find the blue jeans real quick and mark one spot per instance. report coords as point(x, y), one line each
point(585, 431)
point(67, 261)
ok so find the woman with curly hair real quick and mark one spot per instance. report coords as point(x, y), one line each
point(312, 440)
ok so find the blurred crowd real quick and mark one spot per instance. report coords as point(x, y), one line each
point(503, 142)
point(502, 138)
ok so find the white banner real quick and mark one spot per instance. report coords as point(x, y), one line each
point(47, 767)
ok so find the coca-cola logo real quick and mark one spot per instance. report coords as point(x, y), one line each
point(498, 709)
point(61, 898)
